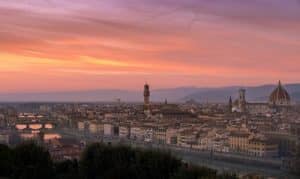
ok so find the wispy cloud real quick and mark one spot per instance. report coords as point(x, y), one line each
point(206, 42)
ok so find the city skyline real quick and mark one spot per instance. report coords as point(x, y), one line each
point(149, 89)
point(58, 45)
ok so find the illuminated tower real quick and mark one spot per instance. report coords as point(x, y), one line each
point(146, 97)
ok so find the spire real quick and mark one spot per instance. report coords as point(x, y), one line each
point(280, 85)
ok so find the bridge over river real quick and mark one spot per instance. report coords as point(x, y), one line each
point(35, 125)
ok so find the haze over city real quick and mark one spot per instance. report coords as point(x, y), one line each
point(60, 45)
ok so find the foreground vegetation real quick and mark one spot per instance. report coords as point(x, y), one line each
point(30, 161)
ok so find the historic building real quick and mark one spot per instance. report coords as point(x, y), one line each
point(238, 141)
point(279, 99)
point(242, 100)
point(262, 147)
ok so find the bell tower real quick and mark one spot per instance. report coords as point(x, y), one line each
point(230, 105)
point(242, 100)
point(146, 97)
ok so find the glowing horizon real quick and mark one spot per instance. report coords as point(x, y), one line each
point(59, 45)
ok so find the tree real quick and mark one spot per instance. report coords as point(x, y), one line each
point(156, 164)
point(102, 161)
point(68, 169)
point(32, 162)
point(6, 161)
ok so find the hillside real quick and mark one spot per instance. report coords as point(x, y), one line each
point(257, 93)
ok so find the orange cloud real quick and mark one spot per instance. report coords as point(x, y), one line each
point(101, 44)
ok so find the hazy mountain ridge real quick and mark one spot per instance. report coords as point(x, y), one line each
point(257, 93)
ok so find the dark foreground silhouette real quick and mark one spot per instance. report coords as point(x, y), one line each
point(30, 161)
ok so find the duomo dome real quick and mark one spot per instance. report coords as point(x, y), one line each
point(280, 96)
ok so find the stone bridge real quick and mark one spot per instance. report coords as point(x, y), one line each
point(35, 125)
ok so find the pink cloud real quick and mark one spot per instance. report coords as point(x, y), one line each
point(204, 42)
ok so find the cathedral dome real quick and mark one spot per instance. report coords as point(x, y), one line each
point(279, 96)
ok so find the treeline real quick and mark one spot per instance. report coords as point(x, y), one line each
point(30, 161)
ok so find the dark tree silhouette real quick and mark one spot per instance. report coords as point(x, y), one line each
point(32, 162)
point(6, 161)
point(102, 161)
point(68, 169)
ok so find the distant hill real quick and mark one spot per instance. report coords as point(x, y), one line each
point(296, 97)
point(257, 93)
point(73, 96)
point(172, 95)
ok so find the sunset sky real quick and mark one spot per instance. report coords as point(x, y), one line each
point(59, 45)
